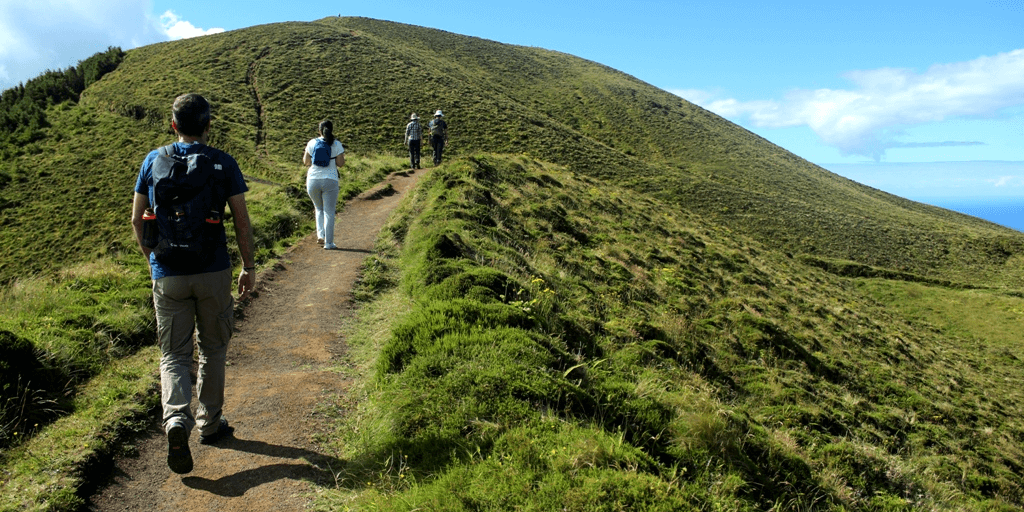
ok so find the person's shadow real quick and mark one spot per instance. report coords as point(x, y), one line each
point(318, 468)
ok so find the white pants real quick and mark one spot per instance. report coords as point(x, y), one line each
point(324, 193)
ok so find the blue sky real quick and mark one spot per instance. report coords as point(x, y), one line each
point(870, 84)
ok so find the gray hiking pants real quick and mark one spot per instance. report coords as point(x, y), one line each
point(184, 305)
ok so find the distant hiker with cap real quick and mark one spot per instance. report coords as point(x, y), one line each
point(178, 205)
point(438, 135)
point(413, 139)
point(324, 155)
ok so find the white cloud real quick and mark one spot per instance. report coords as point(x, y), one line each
point(696, 95)
point(177, 28)
point(1007, 181)
point(866, 119)
point(55, 34)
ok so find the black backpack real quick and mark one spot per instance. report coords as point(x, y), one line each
point(187, 216)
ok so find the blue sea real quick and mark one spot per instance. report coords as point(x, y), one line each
point(1003, 212)
point(990, 190)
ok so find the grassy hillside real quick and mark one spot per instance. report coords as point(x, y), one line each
point(561, 344)
point(78, 363)
point(639, 300)
point(272, 83)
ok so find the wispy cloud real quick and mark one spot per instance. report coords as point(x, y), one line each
point(944, 144)
point(177, 28)
point(999, 181)
point(1008, 181)
point(54, 34)
point(867, 118)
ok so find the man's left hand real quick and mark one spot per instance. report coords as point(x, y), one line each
point(246, 284)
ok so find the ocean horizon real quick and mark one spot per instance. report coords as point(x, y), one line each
point(1008, 213)
point(989, 190)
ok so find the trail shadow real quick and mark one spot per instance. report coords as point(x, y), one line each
point(318, 468)
point(236, 485)
point(364, 251)
point(387, 190)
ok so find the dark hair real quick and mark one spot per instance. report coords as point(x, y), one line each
point(191, 114)
point(327, 130)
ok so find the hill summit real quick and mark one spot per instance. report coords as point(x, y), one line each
point(608, 298)
point(271, 84)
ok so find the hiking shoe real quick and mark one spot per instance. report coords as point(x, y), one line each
point(319, 240)
point(179, 457)
point(330, 247)
point(223, 430)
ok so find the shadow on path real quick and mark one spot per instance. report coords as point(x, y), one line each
point(318, 468)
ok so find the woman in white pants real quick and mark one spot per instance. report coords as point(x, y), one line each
point(324, 155)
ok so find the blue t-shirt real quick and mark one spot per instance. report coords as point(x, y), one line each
point(227, 182)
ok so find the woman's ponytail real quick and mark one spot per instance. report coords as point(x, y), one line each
point(327, 130)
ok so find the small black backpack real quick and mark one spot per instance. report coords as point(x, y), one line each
point(184, 204)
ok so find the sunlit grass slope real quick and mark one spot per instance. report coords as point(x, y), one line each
point(78, 360)
point(561, 344)
point(676, 293)
point(272, 83)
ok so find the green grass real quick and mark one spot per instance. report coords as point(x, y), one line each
point(46, 471)
point(572, 345)
point(990, 311)
point(685, 308)
point(271, 84)
point(58, 334)
point(79, 364)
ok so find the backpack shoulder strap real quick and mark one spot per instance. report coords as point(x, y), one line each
point(166, 151)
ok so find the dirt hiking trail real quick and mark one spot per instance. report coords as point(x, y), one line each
point(280, 359)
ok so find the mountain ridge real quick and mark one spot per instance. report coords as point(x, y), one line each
point(606, 297)
point(370, 74)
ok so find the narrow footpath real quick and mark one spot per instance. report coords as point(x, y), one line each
point(280, 367)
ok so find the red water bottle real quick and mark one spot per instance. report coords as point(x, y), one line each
point(149, 229)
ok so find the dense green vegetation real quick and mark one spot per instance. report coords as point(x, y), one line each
point(569, 345)
point(272, 83)
point(615, 298)
point(77, 354)
point(23, 108)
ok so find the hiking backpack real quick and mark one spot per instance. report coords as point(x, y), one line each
point(437, 127)
point(321, 153)
point(187, 216)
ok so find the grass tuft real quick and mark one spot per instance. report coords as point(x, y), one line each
point(557, 350)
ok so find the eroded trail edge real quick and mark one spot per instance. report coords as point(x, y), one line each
point(281, 364)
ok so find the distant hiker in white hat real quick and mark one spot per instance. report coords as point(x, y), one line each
point(413, 138)
point(438, 135)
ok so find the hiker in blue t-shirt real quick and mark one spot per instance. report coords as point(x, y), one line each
point(192, 286)
point(324, 155)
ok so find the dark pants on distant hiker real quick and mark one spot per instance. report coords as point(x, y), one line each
point(437, 142)
point(414, 153)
